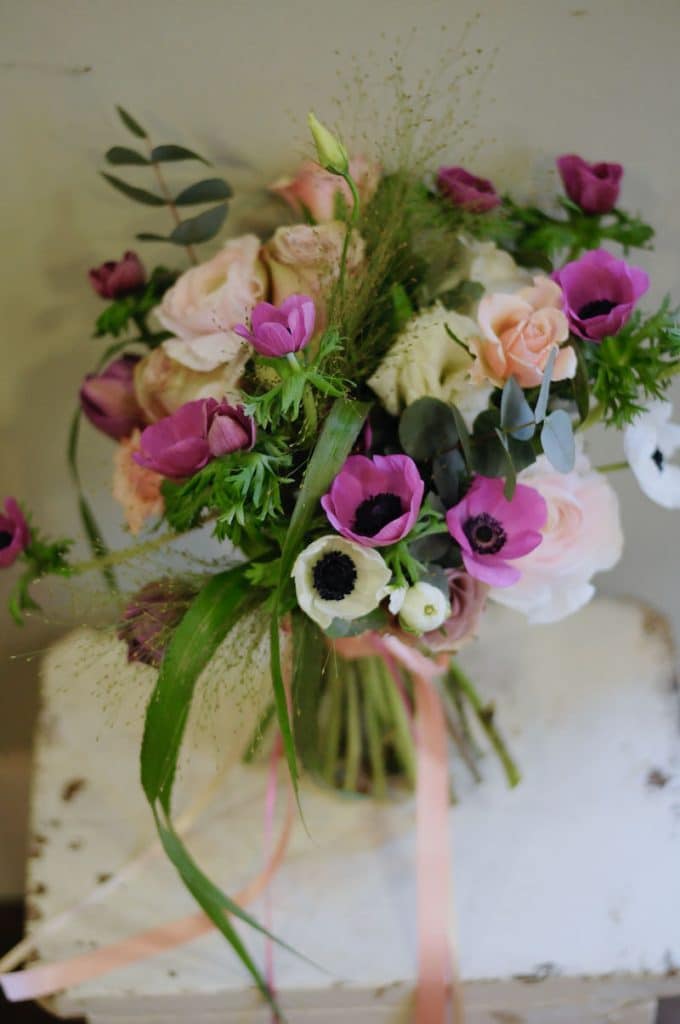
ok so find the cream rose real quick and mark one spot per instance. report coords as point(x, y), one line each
point(488, 265)
point(518, 332)
point(163, 384)
point(582, 536)
point(425, 360)
point(305, 259)
point(208, 300)
point(314, 190)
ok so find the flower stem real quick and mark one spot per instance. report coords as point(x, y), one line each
point(332, 731)
point(354, 217)
point(353, 752)
point(612, 467)
point(403, 740)
point(485, 716)
point(375, 743)
point(593, 417)
point(125, 554)
point(167, 195)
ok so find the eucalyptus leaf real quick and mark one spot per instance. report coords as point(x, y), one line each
point(139, 195)
point(201, 228)
point(463, 435)
point(149, 236)
point(581, 385)
point(517, 418)
point(340, 628)
point(449, 474)
point(211, 190)
point(130, 123)
point(557, 438)
point(544, 391)
point(172, 153)
point(122, 156)
point(426, 428)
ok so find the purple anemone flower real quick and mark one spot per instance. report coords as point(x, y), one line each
point(466, 190)
point(375, 501)
point(490, 529)
point(184, 442)
point(15, 535)
point(117, 278)
point(600, 292)
point(593, 187)
point(277, 330)
point(108, 398)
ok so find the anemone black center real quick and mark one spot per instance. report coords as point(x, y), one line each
point(657, 459)
point(486, 534)
point(374, 513)
point(334, 576)
point(598, 307)
point(5, 539)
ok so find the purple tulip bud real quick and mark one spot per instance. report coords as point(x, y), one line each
point(277, 330)
point(151, 616)
point(117, 278)
point(600, 293)
point(181, 444)
point(593, 187)
point(15, 535)
point(477, 195)
point(108, 399)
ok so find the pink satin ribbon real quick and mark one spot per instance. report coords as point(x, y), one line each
point(47, 979)
point(437, 970)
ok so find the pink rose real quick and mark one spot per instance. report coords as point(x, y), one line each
point(313, 190)
point(518, 333)
point(467, 597)
point(163, 384)
point(306, 260)
point(136, 488)
point(582, 536)
point(208, 300)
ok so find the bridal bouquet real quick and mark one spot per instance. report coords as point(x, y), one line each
point(380, 410)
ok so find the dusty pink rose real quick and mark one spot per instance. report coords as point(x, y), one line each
point(162, 384)
point(313, 190)
point(208, 300)
point(467, 596)
point(306, 260)
point(518, 333)
point(117, 278)
point(136, 488)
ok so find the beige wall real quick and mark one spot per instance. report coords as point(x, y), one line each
point(234, 80)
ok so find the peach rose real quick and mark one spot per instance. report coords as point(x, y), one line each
point(305, 259)
point(313, 190)
point(137, 489)
point(163, 384)
point(582, 536)
point(208, 300)
point(518, 333)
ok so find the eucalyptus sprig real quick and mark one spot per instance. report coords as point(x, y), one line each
point(189, 231)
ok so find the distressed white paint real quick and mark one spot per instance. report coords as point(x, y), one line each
point(572, 876)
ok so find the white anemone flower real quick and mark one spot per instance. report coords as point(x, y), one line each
point(422, 607)
point(649, 443)
point(338, 579)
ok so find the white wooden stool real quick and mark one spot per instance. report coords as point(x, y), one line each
point(567, 889)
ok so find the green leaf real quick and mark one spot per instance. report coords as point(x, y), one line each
point(139, 195)
point(340, 431)
point(426, 428)
point(544, 391)
point(557, 438)
point(130, 123)
point(580, 385)
point(210, 617)
point(463, 435)
point(378, 619)
point(150, 236)
point(309, 654)
point(123, 156)
point(88, 521)
point(517, 418)
point(172, 153)
point(510, 473)
point(201, 228)
point(211, 190)
point(449, 475)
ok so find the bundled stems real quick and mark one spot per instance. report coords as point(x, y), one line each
point(484, 713)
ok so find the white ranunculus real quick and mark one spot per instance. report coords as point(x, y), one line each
point(582, 536)
point(422, 607)
point(489, 266)
point(426, 361)
point(338, 579)
point(649, 443)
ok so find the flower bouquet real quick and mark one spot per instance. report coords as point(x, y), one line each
point(380, 411)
